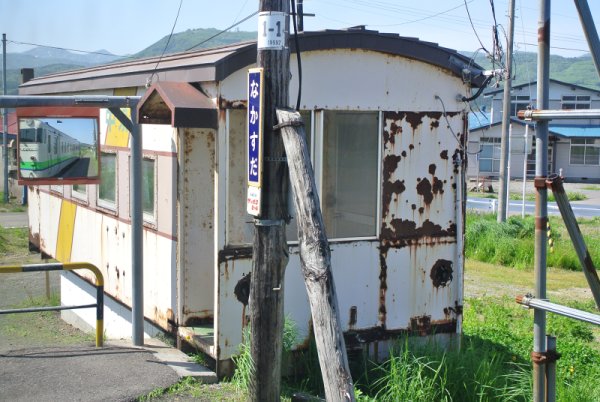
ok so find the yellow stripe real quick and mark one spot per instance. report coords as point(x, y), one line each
point(66, 227)
point(116, 133)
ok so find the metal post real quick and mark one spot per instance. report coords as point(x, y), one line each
point(505, 150)
point(137, 250)
point(541, 203)
point(551, 369)
point(524, 171)
point(4, 123)
point(555, 182)
point(590, 31)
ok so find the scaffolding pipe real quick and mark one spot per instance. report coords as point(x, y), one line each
point(4, 125)
point(591, 275)
point(587, 22)
point(551, 368)
point(541, 203)
point(545, 305)
point(543, 115)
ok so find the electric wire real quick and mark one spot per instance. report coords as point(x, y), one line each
point(296, 42)
point(223, 31)
point(149, 80)
point(448, 122)
point(474, 30)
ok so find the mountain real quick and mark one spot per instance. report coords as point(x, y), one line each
point(196, 39)
point(574, 70)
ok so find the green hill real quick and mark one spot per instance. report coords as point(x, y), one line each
point(575, 70)
point(197, 39)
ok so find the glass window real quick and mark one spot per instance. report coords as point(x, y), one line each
point(108, 186)
point(350, 173)
point(576, 102)
point(489, 157)
point(79, 191)
point(585, 151)
point(518, 102)
point(148, 183)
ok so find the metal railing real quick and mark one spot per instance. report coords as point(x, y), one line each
point(99, 305)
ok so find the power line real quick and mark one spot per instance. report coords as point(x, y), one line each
point(223, 31)
point(149, 80)
point(422, 19)
point(63, 48)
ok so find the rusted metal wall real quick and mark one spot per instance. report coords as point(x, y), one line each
point(196, 279)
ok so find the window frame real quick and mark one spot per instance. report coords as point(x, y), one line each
point(147, 217)
point(319, 149)
point(105, 204)
point(578, 102)
point(585, 146)
point(496, 141)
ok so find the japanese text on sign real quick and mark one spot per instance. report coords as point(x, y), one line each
point(255, 98)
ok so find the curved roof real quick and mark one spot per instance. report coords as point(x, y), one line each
point(216, 64)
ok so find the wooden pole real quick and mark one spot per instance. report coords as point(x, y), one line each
point(270, 253)
point(316, 262)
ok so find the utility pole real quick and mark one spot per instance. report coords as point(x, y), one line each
point(4, 123)
point(504, 142)
point(269, 252)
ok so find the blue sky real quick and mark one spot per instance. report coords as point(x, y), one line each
point(127, 26)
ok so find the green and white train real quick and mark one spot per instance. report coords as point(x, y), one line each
point(44, 150)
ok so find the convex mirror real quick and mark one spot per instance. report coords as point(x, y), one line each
point(58, 145)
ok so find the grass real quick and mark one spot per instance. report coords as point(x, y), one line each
point(13, 241)
point(511, 243)
point(11, 206)
point(591, 187)
point(572, 196)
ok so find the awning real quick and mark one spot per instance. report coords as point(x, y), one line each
point(575, 131)
point(178, 104)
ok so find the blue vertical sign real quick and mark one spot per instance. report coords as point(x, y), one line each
point(255, 127)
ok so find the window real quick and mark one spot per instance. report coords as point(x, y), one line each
point(576, 102)
point(350, 173)
point(489, 156)
point(79, 191)
point(148, 185)
point(518, 102)
point(585, 151)
point(107, 190)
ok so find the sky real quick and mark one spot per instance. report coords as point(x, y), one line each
point(127, 26)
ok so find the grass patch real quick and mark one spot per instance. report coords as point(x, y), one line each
point(591, 187)
point(12, 206)
point(571, 195)
point(13, 240)
point(511, 243)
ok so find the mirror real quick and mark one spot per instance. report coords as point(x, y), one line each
point(58, 149)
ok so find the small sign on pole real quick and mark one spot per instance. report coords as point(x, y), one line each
point(255, 146)
point(271, 30)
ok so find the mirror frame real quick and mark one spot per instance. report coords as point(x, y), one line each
point(45, 112)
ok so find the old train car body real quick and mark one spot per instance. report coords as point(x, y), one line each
point(387, 137)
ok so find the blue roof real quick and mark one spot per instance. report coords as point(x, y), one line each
point(479, 119)
point(574, 131)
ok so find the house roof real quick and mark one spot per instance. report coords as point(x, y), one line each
point(534, 83)
point(575, 131)
point(218, 63)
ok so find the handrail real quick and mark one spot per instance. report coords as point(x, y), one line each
point(69, 266)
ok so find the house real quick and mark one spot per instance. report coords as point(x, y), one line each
point(387, 137)
point(11, 137)
point(574, 145)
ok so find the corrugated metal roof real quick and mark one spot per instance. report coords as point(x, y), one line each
point(575, 131)
point(218, 63)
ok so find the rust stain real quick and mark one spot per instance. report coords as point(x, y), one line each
point(388, 191)
point(432, 168)
point(231, 104)
point(357, 338)
point(390, 164)
point(421, 324)
point(406, 229)
point(441, 273)
point(382, 284)
point(235, 253)
point(444, 154)
point(353, 316)
point(427, 190)
point(434, 124)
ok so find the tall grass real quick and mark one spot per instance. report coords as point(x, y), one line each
point(511, 243)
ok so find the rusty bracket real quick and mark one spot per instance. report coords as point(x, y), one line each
point(291, 123)
point(539, 183)
point(549, 356)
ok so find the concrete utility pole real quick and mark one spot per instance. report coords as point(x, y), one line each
point(504, 143)
point(270, 253)
point(4, 123)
